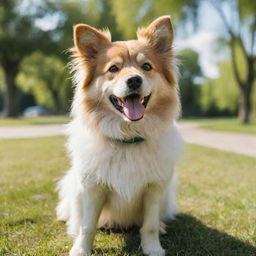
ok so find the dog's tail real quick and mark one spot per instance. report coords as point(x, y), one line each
point(171, 208)
point(64, 188)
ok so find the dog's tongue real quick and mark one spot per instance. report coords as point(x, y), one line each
point(133, 109)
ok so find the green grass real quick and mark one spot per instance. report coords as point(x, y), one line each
point(225, 125)
point(216, 198)
point(33, 121)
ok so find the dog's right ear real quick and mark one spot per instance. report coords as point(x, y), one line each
point(88, 40)
point(159, 34)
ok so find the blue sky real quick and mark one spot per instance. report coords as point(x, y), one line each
point(204, 41)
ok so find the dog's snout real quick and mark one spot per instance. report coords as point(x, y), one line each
point(134, 82)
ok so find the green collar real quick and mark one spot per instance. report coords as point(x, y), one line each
point(132, 140)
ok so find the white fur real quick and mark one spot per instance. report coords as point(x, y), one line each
point(112, 183)
point(123, 174)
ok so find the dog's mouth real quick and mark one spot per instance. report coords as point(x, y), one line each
point(132, 106)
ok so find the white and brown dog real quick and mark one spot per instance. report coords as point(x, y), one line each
point(123, 141)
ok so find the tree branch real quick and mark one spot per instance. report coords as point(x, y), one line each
point(222, 16)
point(242, 45)
point(234, 65)
point(232, 41)
point(253, 36)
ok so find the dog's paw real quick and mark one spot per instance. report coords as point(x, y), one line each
point(154, 252)
point(153, 249)
point(162, 228)
point(78, 251)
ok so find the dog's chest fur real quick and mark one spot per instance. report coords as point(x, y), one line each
point(124, 168)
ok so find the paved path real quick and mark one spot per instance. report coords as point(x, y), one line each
point(234, 142)
point(31, 131)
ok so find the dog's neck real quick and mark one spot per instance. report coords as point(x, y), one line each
point(135, 139)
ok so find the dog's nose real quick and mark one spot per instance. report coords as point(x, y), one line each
point(134, 82)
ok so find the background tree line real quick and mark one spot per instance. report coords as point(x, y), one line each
point(34, 37)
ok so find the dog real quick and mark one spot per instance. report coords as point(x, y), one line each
point(122, 140)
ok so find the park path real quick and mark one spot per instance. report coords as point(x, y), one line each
point(31, 131)
point(234, 142)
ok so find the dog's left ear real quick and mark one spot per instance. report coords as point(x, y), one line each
point(159, 34)
point(89, 41)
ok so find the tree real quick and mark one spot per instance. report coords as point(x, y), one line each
point(97, 13)
point(47, 78)
point(219, 96)
point(19, 36)
point(190, 70)
point(1, 89)
point(240, 25)
point(142, 12)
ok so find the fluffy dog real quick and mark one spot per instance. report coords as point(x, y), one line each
point(123, 142)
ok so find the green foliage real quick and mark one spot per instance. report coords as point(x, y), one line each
point(189, 90)
point(246, 8)
point(142, 12)
point(47, 78)
point(240, 37)
point(2, 84)
point(30, 26)
point(97, 13)
point(19, 36)
point(221, 92)
point(24, 31)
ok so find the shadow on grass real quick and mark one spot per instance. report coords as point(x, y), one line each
point(22, 222)
point(188, 236)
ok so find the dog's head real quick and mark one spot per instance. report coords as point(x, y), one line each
point(126, 81)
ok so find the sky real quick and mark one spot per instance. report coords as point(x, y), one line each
point(204, 40)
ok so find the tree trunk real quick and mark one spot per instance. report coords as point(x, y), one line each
point(56, 102)
point(245, 106)
point(10, 93)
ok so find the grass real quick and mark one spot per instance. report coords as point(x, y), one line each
point(218, 124)
point(225, 125)
point(21, 121)
point(216, 198)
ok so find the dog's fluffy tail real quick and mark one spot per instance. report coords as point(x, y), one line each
point(171, 209)
point(64, 188)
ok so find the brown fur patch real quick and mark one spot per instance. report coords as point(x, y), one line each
point(89, 40)
point(159, 34)
point(165, 107)
point(88, 43)
point(154, 43)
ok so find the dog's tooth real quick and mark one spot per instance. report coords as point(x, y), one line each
point(120, 102)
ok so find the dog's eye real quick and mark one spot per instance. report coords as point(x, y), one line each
point(146, 66)
point(113, 69)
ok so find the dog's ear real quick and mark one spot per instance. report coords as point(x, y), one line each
point(89, 40)
point(159, 34)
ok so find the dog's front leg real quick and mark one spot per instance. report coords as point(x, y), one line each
point(150, 229)
point(92, 200)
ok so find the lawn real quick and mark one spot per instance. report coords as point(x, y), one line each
point(33, 121)
point(216, 198)
point(225, 124)
point(218, 124)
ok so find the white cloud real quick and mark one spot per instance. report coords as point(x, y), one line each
point(203, 43)
point(49, 22)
